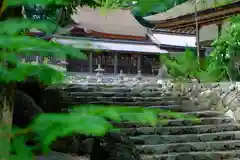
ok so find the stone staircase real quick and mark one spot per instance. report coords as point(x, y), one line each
point(212, 137)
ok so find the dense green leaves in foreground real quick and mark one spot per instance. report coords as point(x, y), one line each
point(13, 40)
point(9, 26)
point(91, 120)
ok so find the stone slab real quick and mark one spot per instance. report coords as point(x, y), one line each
point(177, 130)
point(178, 122)
point(220, 155)
point(205, 137)
point(60, 156)
point(189, 147)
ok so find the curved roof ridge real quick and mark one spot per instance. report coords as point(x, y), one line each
point(114, 21)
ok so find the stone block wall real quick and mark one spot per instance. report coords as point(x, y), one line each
point(224, 96)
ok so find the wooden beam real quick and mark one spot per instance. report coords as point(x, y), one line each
point(188, 29)
point(90, 62)
point(201, 23)
point(80, 32)
point(188, 20)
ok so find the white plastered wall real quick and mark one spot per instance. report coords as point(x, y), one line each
point(210, 32)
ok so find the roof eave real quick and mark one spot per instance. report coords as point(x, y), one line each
point(205, 15)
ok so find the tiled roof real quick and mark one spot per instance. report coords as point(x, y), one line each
point(188, 8)
point(119, 22)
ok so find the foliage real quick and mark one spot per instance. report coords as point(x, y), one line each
point(182, 65)
point(222, 64)
point(91, 120)
point(145, 8)
point(140, 8)
point(226, 50)
point(185, 66)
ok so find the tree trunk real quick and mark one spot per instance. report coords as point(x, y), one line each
point(6, 112)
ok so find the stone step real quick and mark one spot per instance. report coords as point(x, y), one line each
point(125, 99)
point(197, 129)
point(178, 115)
point(52, 155)
point(107, 101)
point(61, 156)
point(178, 122)
point(217, 155)
point(121, 95)
point(178, 107)
point(205, 137)
point(189, 147)
point(200, 114)
point(109, 92)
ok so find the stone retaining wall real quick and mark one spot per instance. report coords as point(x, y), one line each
point(224, 96)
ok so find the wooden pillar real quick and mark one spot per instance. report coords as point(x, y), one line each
point(115, 63)
point(197, 32)
point(90, 62)
point(37, 59)
point(200, 52)
point(105, 62)
point(219, 25)
point(139, 62)
point(129, 63)
point(198, 40)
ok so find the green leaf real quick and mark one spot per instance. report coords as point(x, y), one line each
point(40, 2)
point(29, 45)
point(22, 151)
point(146, 8)
point(122, 113)
point(43, 72)
point(15, 26)
point(60, 125)
point(9, 57)
point(96, 110)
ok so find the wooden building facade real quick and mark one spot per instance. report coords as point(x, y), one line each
point(210, 21)
point(113, 55)
point(116, 41)
point(114, 44)
point(114, 62)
